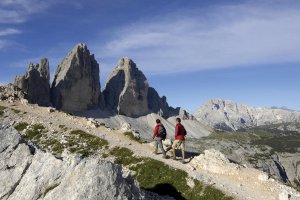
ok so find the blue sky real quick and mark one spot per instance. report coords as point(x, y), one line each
point(190, 51)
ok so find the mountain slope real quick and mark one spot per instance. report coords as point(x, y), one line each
point(228, 115)
point(211, 168)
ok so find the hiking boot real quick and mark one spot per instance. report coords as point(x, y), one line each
point(155, 152)
point(165, 157)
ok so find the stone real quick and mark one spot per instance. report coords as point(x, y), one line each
point(29, 173)
point(126, 127)
point(136, 135)
point(126, 90)
point(92, 123)
point(51, 110)
point(35, 83)
point(76, 84)
point(214, 161)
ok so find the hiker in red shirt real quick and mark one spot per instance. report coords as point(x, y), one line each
point(179, 141)
point(158, 136)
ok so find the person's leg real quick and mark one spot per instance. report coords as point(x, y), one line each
point(174, 147)
point(182, 146)
point(155, 146)
point(159, 141)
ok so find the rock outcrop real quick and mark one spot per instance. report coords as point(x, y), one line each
point(76, 84)
point(35, 83)
point(127, 93)
point(11, 93)
point(227, 115)
point(126, 90)
point(157, 104)
point(28, 173)
point(215, 162)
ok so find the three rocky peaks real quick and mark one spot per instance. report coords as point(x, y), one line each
point(76, 87)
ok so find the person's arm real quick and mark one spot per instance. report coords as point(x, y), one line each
point(155, 131)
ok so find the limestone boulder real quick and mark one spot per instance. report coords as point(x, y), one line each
point(35, 83)
point(76, 84)
point(29, 173)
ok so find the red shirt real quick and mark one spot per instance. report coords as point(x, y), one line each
point(156, 130)
point(179, 131)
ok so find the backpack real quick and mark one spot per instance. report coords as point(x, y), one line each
point(182, 131)
point(162, 132)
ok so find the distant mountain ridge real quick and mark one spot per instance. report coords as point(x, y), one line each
point(228, 115)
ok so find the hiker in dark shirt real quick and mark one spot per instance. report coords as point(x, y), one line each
point(158, 136)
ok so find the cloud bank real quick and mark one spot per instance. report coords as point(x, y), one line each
point(218, 37)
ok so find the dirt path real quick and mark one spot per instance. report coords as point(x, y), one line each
point(244, 184)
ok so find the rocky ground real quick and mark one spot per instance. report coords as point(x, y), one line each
point(63, 130)
point(275, 152)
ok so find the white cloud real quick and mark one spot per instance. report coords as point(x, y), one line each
point(18, 11)
point(9, 31)
point(226, 36)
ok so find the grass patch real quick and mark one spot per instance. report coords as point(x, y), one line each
point(48, 189)
point(83, 143)
point(279, 141)
point(16, 111)
point(131, 136)
point(21, 126)
point(63, 127)
point(35, 133)
point(160, 178)
point(124, 156)
point(2, 108)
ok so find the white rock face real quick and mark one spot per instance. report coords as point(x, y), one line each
point(126, 90)
point(227, 115)
point(76, 84)
point(25, 174)
point(215, 162)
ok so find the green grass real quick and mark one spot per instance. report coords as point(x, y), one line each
point(21, 126)
point(16, 111)
point(35, 132)
point(279, 141)
point(2, 108)
point(160, 178)
point(131, 136)
point(289, 144)
point(63, 127)
point(83, 143)
point(124, 156)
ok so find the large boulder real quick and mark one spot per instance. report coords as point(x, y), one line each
point(126, 90)
point(35, 83)
point(29, 173)
point(76, 84)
